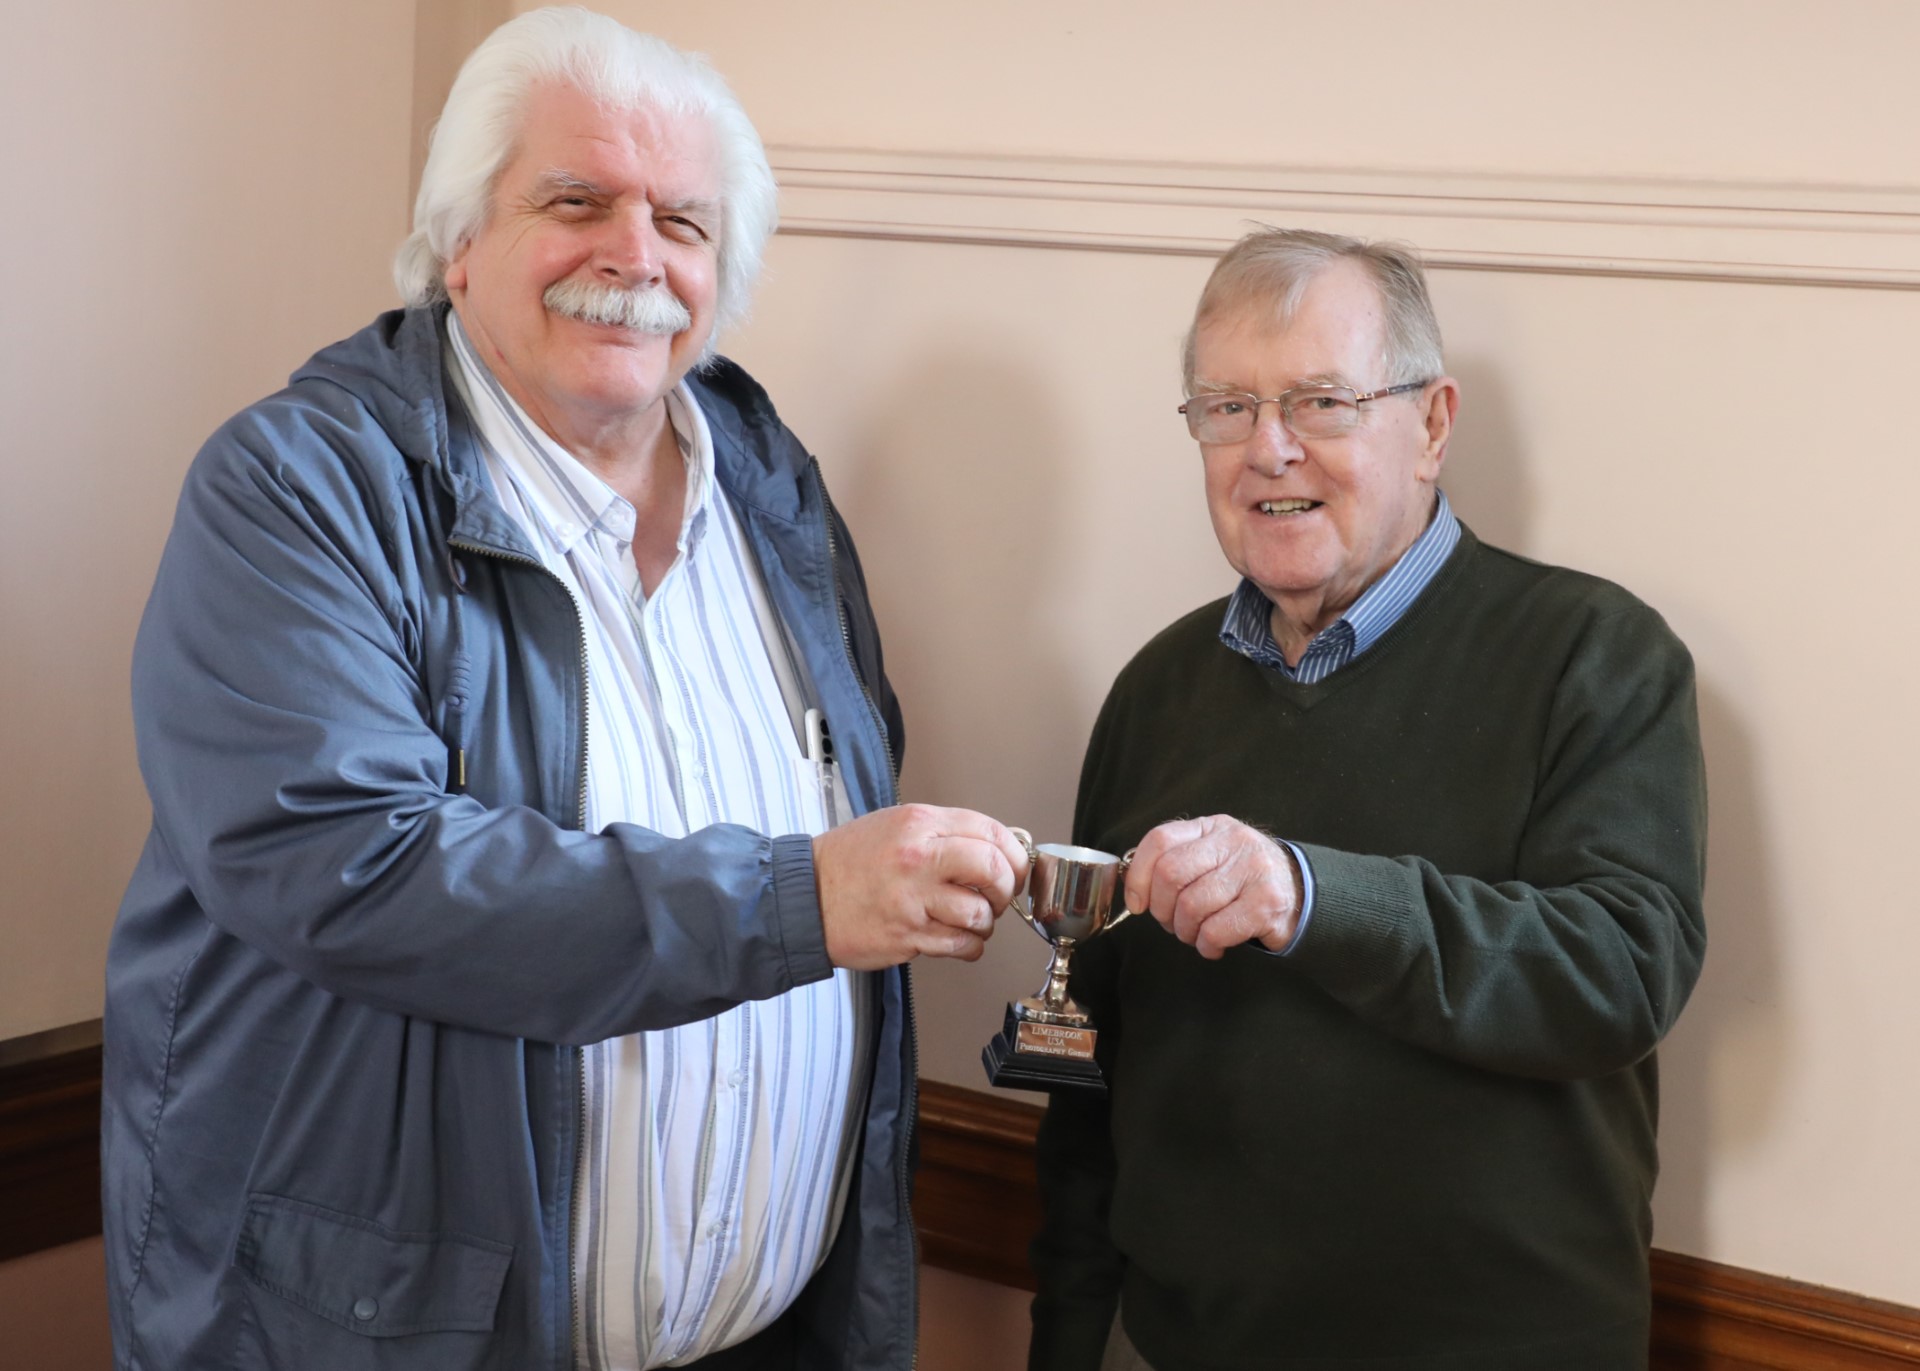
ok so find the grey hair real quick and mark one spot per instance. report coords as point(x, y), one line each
point(1272, 269)
point(479, 129)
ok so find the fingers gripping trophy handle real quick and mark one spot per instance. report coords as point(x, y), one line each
point(1022, 903)
point(1120, 881)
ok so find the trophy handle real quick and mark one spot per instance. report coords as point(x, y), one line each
point(1022, 902)
point(1126, 864)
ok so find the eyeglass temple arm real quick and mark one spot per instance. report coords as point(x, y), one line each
point(1401, 389)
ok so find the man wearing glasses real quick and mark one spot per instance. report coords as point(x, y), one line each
point(1426, 822)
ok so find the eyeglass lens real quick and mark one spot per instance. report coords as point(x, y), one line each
point(1311, 412)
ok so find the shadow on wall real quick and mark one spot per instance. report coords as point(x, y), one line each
point(1734, 1023)
point(1485, 476)
point(959, 495)
point(1722, 1069)
point(960, 490)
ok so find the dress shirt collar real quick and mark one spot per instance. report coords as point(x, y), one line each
point(561, 492)
point(1248, 626)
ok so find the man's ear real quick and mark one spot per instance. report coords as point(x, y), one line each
point(1443, 402)
point(455, 276)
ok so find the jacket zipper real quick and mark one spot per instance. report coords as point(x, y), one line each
point(906, 975)
point(846, 633)
point(574, 1329)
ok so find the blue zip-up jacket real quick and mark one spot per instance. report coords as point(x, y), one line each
point(366, 934)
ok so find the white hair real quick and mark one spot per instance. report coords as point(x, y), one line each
point(480, 126)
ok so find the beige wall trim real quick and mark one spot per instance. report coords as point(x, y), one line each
point(1822, 235)
point(977, 1207)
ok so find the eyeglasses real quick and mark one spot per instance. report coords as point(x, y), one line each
point(1309, 411)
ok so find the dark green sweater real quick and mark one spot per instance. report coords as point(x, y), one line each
point(1424, 1140)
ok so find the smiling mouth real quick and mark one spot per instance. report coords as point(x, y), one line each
point(1287, 506)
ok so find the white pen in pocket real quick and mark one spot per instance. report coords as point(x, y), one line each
point(826, 770)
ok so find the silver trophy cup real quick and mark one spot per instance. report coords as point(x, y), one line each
point(1071, 895)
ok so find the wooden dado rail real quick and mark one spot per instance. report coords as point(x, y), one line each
point(49, 1139)
point(977, 1206)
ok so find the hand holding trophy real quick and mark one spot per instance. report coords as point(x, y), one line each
point(1047, 1042)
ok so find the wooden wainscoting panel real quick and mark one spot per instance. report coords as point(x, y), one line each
point(978, 1206)
point(976, 1203)
point(49, 1150)
point(1710, 1317)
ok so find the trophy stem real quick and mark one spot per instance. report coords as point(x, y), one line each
point(1053, 991)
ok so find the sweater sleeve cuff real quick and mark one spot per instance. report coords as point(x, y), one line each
point(796, 910)
point(1360, 916)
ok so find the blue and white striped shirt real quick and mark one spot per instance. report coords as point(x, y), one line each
point(716, 1155)
point(1248, 630)
point(1248, 627)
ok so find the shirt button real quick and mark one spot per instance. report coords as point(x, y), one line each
point(736, 1078)
point(567, 530)
point(365, 1308)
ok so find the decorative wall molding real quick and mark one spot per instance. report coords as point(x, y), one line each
point(1818, 235)
point(977, 1208)
point(1709, 1317)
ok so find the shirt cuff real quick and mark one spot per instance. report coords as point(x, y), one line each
point(1306, 901)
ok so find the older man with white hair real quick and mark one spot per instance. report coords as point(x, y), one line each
point(514, 975)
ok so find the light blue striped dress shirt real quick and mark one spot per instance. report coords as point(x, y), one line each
point(1248, 627)
point(1248, 630)
point(717, 1155)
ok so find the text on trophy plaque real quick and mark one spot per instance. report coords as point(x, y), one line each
point(1053, 1040)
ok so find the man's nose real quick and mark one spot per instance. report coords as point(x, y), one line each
point(1273, 447)
point(628, 250)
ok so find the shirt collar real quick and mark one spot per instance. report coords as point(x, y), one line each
point(690, 430)
point(1248, 626)
point(558, 488)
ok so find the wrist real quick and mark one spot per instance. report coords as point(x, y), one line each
point(1286, 925)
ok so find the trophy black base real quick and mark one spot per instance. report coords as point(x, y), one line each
point(1043, 1057)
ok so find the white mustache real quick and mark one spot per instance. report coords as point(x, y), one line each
point(644, 309)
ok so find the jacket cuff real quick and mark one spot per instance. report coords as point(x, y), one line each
point(796, 910)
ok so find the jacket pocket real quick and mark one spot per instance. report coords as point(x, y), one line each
point(369, 1279)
